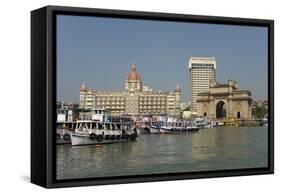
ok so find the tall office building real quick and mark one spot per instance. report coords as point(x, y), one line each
point(202, 73)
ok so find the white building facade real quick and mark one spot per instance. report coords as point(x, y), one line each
point(136, 99)
point(202, 73)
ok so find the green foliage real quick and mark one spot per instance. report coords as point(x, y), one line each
point(259, 112)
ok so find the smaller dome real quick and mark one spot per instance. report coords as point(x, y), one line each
point(133, 74)
point(83, 88)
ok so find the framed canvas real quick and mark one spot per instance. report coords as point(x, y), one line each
point(127, 96)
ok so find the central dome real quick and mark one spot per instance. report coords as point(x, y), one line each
point(83, 88)
point(133, 75)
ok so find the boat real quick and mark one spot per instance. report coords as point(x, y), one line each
point(142, 130)
point(193, 128)
point(264, 122)
point(64, 126)
point(154, 128)
point(170, 130)
point(90, 132)
point(142, 127)
point(179, 128)
point(63, 131)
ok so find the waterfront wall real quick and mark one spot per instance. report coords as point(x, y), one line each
point(249, 122)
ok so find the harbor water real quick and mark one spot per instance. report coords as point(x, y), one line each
point(209, 149)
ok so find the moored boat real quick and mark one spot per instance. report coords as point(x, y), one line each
point(142, 130)
point(193, 128)
point(175, 129)
point(154, 129)
point(63, 131)
point(142, 126)
point(89, 132)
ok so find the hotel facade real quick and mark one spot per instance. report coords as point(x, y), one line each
point(134, 100)
point(202, 73)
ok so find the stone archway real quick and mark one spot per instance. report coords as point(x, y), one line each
point(224, 101)
point(220, 110)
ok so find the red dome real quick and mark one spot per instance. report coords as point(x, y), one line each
point(133, 75)
point(83, 88)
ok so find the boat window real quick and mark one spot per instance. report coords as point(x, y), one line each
point(125, 127)
point(107, 126)
point(100, 126)
point(94, 125)
point(83, 125)
point(118, 126)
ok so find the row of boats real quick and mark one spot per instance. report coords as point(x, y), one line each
point(87, 132)
point(102, 128)
point(171, 127)
point(167, 128)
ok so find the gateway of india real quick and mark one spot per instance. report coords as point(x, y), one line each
point(212, 99)
point(135, 100)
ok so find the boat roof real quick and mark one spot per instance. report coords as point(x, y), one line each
point(66, 121)
point(97, 121)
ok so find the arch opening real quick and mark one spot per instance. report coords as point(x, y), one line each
point(238, 115)
point(220, 110)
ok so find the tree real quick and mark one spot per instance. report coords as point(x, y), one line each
point(259, 112)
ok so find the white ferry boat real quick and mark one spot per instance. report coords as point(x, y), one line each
point(63, 131)
point(102, 132)
point(64, 126)
point(154, 128)
point(180, 127)
point(142, 130)
point(142, 125)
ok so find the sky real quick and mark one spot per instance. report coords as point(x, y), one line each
point(100, 51)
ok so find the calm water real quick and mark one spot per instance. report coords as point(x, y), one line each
point(209, 149)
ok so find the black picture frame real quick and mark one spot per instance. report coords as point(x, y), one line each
point(43, 95)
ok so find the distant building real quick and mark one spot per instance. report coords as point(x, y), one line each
point(184, 106)
point(202, 73)
point(136, 99)
point(225, 101)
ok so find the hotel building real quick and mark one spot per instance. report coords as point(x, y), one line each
point(135, 99)
point(202, 73)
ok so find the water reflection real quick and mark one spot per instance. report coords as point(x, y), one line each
point(210, 149)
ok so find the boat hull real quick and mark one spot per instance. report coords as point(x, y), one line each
point(84, 139)
point(193, 129)
point(168, 131)
point(154, 130)
point(143, 130)
point(63, 136)
point(173, 131)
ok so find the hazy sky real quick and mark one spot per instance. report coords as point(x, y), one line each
point(100, 52)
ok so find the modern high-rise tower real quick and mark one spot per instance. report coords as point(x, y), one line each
point(202, 73)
